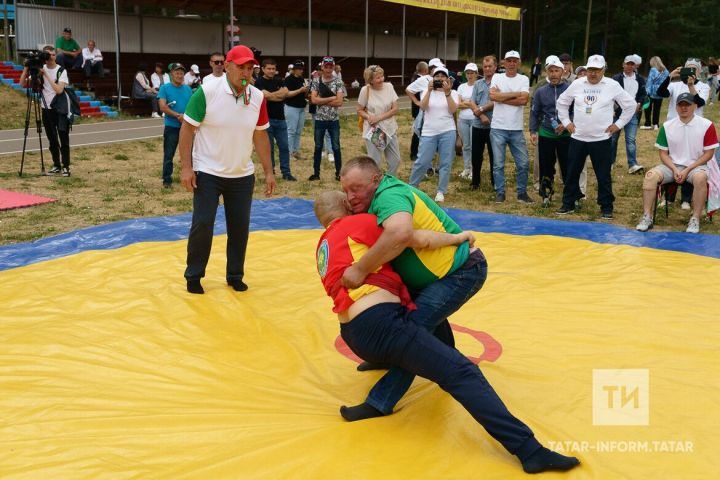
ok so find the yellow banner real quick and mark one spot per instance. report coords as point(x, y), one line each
point(466, 6)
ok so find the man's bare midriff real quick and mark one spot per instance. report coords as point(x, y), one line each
point(365, 302)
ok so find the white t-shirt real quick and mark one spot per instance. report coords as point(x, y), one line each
point(223, 144)
point(420, 84)
point(594, 108)
point(155, 80)
point(211, 78)
point(676, 88)
point(47, 91)
point(437, 118)
point(508, 117)
point(465, 91)
point(380, 101)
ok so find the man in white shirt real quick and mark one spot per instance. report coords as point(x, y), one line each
point(192, 77)
point(595, 96)
point(53, 78)
point(634, 84)
point(223, 123)
point(510, 92)
point(686, 143)
point(92, 61)
point(217, 63)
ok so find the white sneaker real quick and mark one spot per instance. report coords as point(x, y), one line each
point(645, 224)
point(655, 127)
point(536, 186)
point(331, 158)
point(662, 203)
point(635, 168)
point(467, 173)
point(685, 206)
point(646, 127)
point(693, 225)
point(439, 197)
point(155, 115)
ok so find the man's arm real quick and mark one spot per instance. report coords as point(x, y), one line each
point(187, 174)
point(396, 237)
point(316, 99)
point(262, 148)
point(276, 96)
point(430, 239)
point(168, 111)
point(58, 86)
point(628, 106)
point(504, 97)
point(519, 101)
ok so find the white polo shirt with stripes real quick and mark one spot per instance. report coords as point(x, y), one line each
point(686, 142)
point(226, 123)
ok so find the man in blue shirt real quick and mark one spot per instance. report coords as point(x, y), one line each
point(173, 97)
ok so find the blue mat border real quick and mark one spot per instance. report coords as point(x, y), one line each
point(286, 213)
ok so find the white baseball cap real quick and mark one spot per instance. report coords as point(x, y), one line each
point(695, 63)
point(638, 58)
point(441, 69)
point(512, 54)
point(195, 68)
point(435, 62)
point(635, 59)
point(471, 66)
point(596, 61)
point(553, 61)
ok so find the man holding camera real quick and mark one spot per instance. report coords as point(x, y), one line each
point(50, 80)
point(688, 83)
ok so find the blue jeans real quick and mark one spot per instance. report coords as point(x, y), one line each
point(171, 135)
point(295, 119)
point(518, 148)
point(630, 145)
point(444, 144)
point(333, 128)
point(465, 127)
point(278, 133)
point(434, 303)
point(387, 333)
point(237, 197)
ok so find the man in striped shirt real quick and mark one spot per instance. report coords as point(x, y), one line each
point(686, 143)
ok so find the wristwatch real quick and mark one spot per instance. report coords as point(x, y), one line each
point(481, 109)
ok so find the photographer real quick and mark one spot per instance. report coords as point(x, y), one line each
point(439, 103)
point(688, 84)
point(50, 80)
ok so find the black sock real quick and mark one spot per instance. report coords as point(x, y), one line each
point(238, 284)
point(365, 366)
point(359, 412)
point(193, 286)
point(544, 460)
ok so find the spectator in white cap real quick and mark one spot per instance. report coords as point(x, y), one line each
point(687, 144)
point(546, 131)
point(192, 77)
point(634, 84)
point(439, 104)
point(466, 117)
point(510, 91)
point(414, 92)
point(688, 83)
point(590, 128)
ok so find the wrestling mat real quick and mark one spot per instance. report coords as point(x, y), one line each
point(604, 341)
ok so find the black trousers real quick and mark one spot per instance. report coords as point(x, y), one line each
point(550, 150)
point(653, 112)
point(600, 156)
point(59, 139)
point(481, 139)
point(237, 197)
point(414, 146)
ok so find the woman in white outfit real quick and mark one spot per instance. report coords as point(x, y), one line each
point(378, 105)
point(466, 117)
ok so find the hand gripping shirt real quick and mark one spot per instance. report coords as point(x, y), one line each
point(419, 268)
point(343, 243)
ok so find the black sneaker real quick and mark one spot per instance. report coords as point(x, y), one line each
point(314, 177)
point(565, 210)
point(65, 172)
point(289, 177)
point(337, 177)
point(524, 198)
point(167, 185)
point(606, 215)
point(238, 285)
point(193, 286)
point(500, 197)
point(54, 171)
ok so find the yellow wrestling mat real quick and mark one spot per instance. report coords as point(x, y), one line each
point(110, 370)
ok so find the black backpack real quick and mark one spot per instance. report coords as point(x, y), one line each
point(67, 103)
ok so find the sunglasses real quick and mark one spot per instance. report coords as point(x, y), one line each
point(217, 62)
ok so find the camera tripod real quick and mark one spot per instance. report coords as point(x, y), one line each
point(34, 97)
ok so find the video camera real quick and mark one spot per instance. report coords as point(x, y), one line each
point(35, 59)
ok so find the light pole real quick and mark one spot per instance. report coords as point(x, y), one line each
point(522, 16)
point(587, 29)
